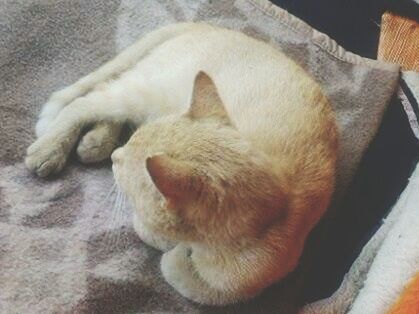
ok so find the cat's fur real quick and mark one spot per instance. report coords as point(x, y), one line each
point(231, 167)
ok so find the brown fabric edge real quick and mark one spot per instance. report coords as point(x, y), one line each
point(319, 39)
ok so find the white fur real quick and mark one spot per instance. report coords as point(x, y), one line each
point(124, 61)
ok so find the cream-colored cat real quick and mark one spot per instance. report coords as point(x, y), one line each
point(233, 162)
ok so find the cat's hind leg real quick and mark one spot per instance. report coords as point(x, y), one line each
point(99, 142)
point(121, 63)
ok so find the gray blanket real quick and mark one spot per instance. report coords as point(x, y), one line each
point(63, 247)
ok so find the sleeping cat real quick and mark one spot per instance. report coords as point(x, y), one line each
point(231, 166)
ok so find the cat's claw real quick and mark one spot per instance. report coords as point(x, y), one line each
point(45, 157)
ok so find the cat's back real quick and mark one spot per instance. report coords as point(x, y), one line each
point(270, 98)
point(228, 56)
point(249, 74)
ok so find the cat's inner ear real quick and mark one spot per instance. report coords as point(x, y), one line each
point(174, 179)
point(206, 102)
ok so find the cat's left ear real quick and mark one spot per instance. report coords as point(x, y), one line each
point(206, 102)
point(175, 180)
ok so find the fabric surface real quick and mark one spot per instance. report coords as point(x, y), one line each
point(63, 248)
point(408, 94)
point(399, 41)
point(385, 266)
point(381, 271)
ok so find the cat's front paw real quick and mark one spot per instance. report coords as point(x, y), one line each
point(177, 269)
point(183, 275)
point(99, 143)
point(45, 156)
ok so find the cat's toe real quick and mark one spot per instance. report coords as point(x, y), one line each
point(45, 160)
point(98, 144)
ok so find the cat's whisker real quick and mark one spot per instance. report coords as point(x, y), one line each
point(121, 219)
point(110, 220)
point(115, 220)
point(122, 213)
point(115, 210)
point(103, 204)
point(111, 191)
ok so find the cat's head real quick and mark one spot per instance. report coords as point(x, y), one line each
point(193, 176)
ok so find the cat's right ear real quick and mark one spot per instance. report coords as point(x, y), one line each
point(206, 102)
point(175, 180)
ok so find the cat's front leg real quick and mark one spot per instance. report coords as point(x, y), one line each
point(178, 270)
point(50, 151)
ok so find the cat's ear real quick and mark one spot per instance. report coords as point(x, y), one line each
point(175, 180)
point(206, 102)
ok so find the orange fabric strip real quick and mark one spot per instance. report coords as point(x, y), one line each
point(408, 302)
point(399, 41)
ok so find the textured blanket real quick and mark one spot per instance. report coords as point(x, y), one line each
point(385, 266)
point(378, 280)
point(63, 246)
